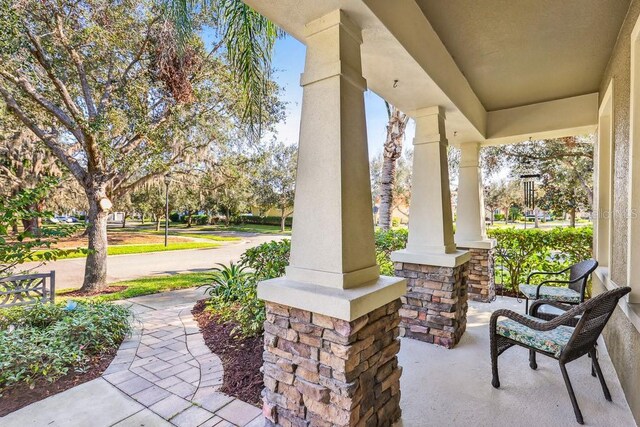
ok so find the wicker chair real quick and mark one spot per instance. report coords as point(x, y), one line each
point(573, 293)
point(554, 338)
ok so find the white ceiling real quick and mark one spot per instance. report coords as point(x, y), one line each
point(518, 52)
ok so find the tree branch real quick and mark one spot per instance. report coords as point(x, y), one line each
point(82, 75)
point(71, 163)
point(22, 83)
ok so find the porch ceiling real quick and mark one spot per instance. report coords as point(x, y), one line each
point(516, 53)
point(504, 71)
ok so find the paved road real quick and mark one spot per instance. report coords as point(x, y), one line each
point(70, 272)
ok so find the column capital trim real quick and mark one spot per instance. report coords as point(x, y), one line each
point(430, 139)
point(334, 69)
point(332, 19)
point(428, 111)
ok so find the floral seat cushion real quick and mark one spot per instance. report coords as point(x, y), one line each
point(553, 341)
point(553, 293)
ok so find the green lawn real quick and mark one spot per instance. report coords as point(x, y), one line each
point(146, 286)
point(144, 248)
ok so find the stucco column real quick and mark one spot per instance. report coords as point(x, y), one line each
point(435, 307)
point(332, 321)
point(430, 219)
point(470, 227)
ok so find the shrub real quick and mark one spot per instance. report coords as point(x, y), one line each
point(520, 252)
point(233, 298)
point(47, 341)
point(262, 220)
point(268, 260)
point(388, 241)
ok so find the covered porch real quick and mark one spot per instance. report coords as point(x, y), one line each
point(470, 74)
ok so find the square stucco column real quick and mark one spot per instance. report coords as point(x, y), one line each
point(470, 227)
point(435, 306)
point(331, 334)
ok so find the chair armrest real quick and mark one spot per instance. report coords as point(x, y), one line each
point(538, 325)
point(535, 273)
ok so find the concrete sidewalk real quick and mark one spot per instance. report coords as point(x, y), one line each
point(163, 375)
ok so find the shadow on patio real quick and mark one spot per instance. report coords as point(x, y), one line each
point(453, 387)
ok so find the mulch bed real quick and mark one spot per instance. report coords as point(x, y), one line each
point(105, 291)
point(241, 357)
point(21, 395)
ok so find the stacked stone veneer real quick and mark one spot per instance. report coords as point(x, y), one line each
point(323, 371)
point(435, 307)
point(481, 279)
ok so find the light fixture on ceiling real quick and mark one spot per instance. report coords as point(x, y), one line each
point(395, 83)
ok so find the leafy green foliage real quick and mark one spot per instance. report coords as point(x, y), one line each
point(46, 341)
point(233, 298)
point(388, 241)
point(33, 244)
point(268, 260)
point(520, 252)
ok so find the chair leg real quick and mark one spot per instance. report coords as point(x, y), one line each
point(526, 305)
point(532, 360)
point(495, 381)
point(572, 396)
point(595, 364)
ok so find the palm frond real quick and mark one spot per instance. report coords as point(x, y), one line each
point(248, 38)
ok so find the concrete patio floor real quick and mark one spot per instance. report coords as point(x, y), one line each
point(453, 387)
point(439, 387)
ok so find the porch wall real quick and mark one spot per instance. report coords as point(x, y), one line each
point(621, 336)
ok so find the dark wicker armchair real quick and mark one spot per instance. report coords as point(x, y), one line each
point(554, 338)
point(573, 293)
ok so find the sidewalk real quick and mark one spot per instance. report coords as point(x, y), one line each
point(163, 375)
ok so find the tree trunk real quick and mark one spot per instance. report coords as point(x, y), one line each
point(142, 217)
point(386, 192)
point(228, 217)
point(535, 218)
point(157, 222)
point(14, 227)
point(392, 151)
point(124, 220)
point(506, 216)
point(189, 215)
point(95, 272)
point(492, 216)
point(573, 217)
point(283, 219)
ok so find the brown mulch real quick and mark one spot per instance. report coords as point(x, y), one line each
point(21, 395)
point(241, 357)
point(108, 290)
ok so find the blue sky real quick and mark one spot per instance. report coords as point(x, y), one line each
point(288, 64)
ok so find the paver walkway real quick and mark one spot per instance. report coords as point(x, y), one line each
point(163, 375)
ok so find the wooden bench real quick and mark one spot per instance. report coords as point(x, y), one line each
point(27, 289)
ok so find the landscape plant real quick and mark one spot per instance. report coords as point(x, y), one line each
point(47, 341)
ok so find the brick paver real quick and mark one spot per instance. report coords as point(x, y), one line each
point(167, 367)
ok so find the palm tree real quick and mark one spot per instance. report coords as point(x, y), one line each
point(396, 127)
point(248, 38)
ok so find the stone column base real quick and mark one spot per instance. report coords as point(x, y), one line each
point(481, 281)
point(323, 371)
point(435, 307)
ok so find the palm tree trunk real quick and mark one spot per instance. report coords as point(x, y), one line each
point(386, 192)
point(392, 151)
point(573, 217)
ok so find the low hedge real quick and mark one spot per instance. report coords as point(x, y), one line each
point(263, 220)
point(48, 341)
point(520, 251)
